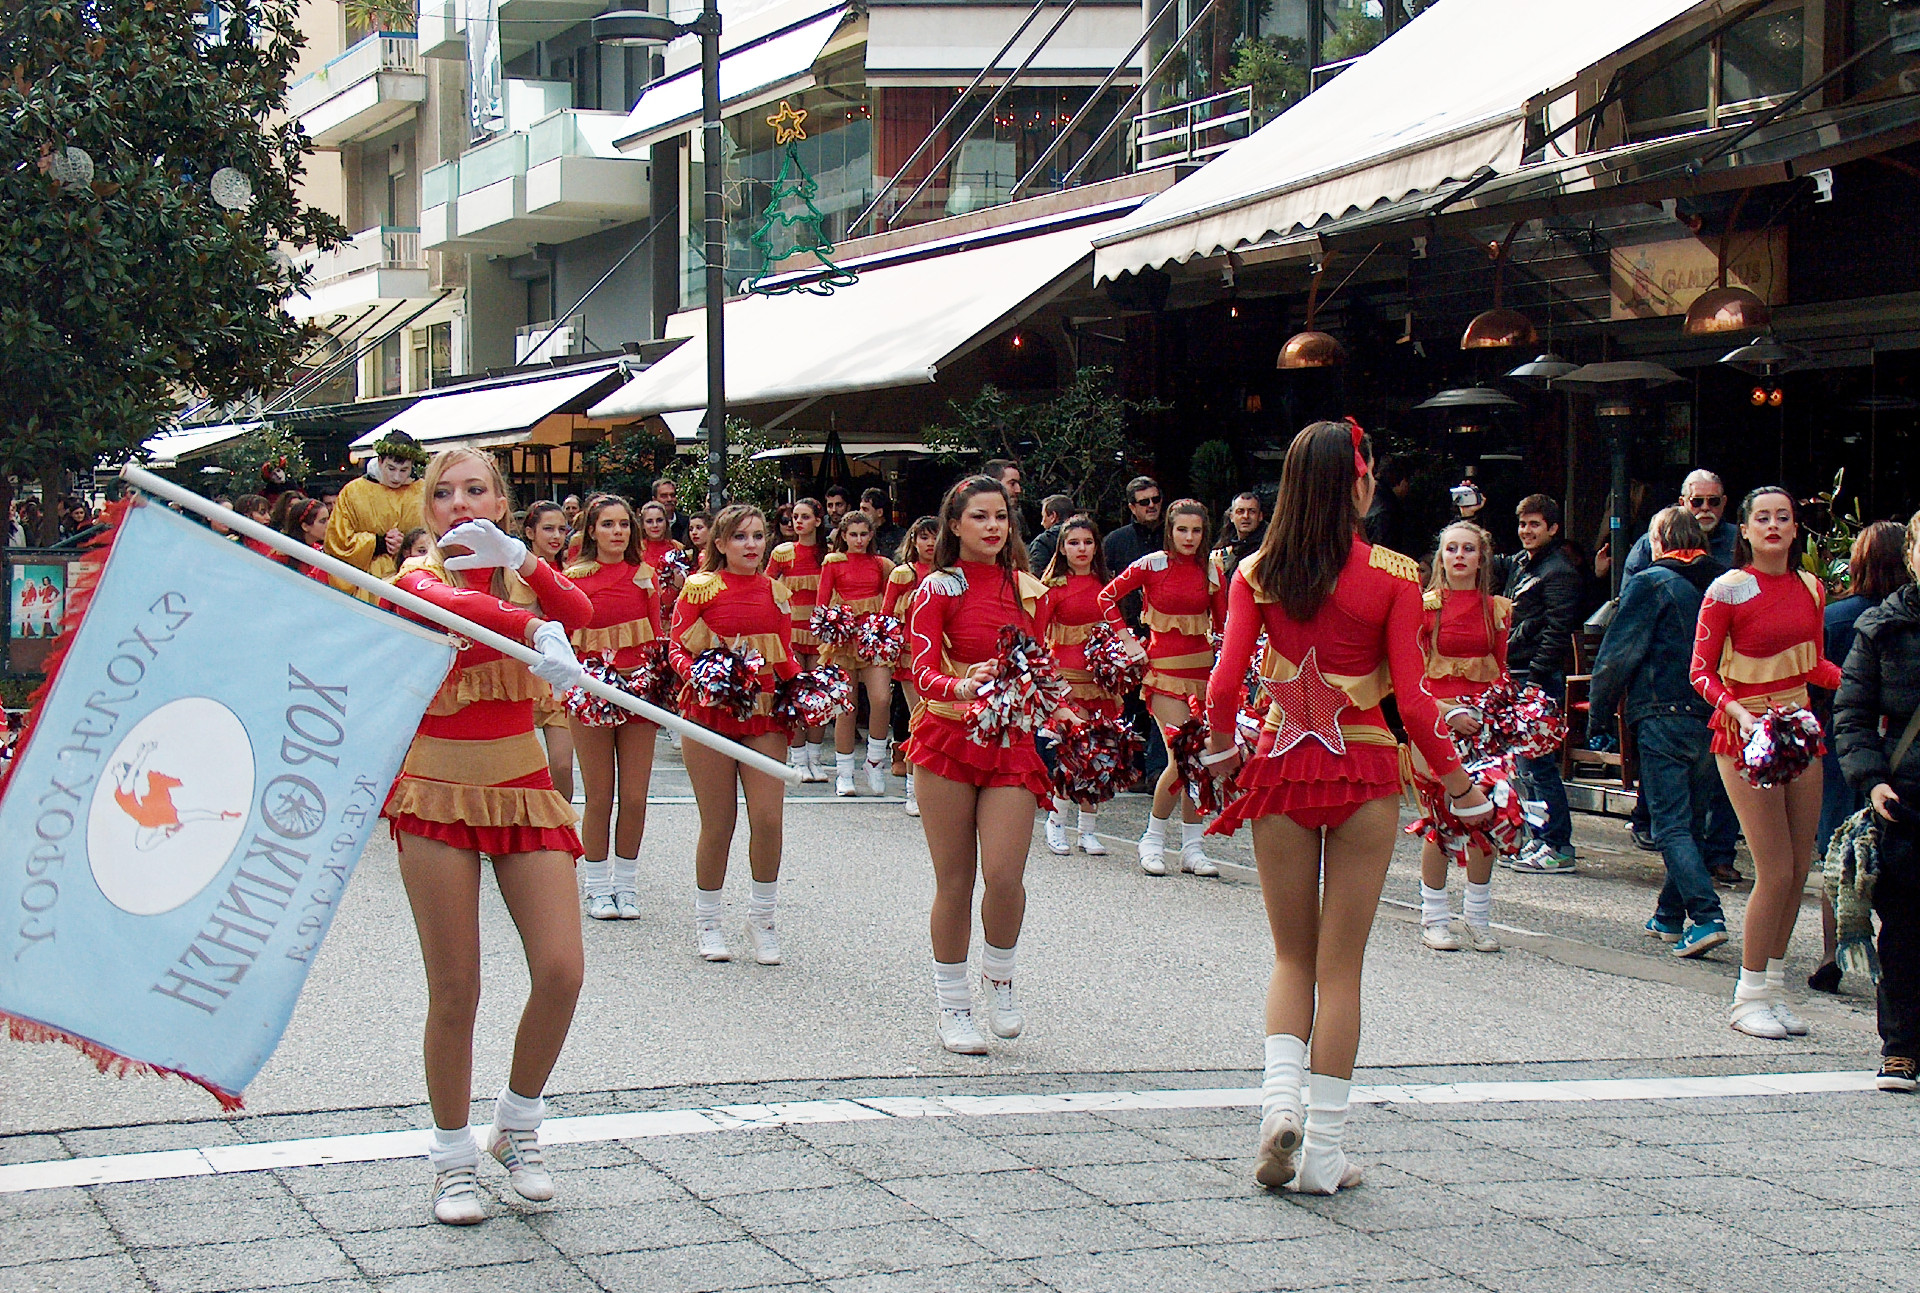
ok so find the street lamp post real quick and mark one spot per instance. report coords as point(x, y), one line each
point(638, 27)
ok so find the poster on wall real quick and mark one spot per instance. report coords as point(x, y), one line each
point(36, 604)
point(1661, 279)
point(485, 110)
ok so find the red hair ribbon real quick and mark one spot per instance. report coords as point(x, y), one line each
point(1359, 461)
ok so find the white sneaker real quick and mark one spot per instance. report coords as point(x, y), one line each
point(1756, 1019)
point(1194, 859)
point(959, 1034)
point(816, 771)
point(1276, 1161)
point(601, 906)
point(673, 739)
point(877, 777)
point(912, 806)
point(713, 942)
point(456, 1197)
point(763, 940)
point(1003, 1012)
point(1794, 1024)
point(519, 1152)
point(1480, 938)
point(628, 904)
point(1057, 836)
point(1092, 845)
point(1438, 936)
point(1153, 856)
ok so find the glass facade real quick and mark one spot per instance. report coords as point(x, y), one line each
point(1734, 76)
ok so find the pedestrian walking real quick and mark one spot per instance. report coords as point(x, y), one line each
point(475, 783)
point(1054, 510)
point(1240, 536)
point(1544, 584)
point(796, 564)
point(1759, 646)
point(913, 562)
point(1075, 577)
point(545, 532)
point(856, 577)
point(1321, 788)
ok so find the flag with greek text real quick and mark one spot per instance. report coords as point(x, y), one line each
point(190, 798)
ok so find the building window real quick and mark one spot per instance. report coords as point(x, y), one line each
point(1869, 21)
point(389, 361)
point(1732, 78)
point(439, 353)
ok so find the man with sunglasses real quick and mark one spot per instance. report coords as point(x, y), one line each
point(1702, 494)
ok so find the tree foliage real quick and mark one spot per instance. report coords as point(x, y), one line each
point(123, 297)
point(1276, 68)
point(629, 463)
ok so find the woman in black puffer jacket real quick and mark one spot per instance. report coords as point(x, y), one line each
point(1878, 695)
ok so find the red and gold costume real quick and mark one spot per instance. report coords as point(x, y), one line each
point(1464, 656)
point(720, 608)
point(1183, 603)
point(1760, 640)
point(797, 565)
point(548, 711)
point(901, 585)
point(1324, 745)
point(953, 624)
point(626, 613)
point(1072, 605)
point(476, 775)
point(311, 572)
point(859, 582)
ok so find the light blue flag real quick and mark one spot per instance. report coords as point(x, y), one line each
point(192, 796)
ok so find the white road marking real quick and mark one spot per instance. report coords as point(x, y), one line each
point(219, 1160)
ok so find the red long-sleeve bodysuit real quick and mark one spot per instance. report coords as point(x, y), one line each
point(720, 608)
point(797, 565)
point(626, 614)
point(1068, 612)
point(901, 585)
point(1760, 640)
point(1365, 644)
point(859, 582)
point(476, 776)
point(1183, 603)
point(1464, 656)
point(953, 624)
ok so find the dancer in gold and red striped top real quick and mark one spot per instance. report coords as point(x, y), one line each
point(1074, 579)
point(797, 566)
point(856, 577)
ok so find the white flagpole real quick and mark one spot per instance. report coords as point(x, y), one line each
point(160, 487)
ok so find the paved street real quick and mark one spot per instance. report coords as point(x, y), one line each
point(735, 1127)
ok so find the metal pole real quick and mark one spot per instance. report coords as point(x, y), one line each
point(711, 161)
point(1133, 100)
point(1617, 416)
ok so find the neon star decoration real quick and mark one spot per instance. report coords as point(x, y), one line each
point(1309, 706)
point(788, 124)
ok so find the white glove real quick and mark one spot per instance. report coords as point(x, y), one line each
point(559, 668)
point(487, 546)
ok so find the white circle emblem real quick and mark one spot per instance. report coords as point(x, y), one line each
point(171, 806)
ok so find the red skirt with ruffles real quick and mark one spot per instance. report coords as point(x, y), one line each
point(942, 747)
point(723, 721)
point(494, 841)
point(1310, 783)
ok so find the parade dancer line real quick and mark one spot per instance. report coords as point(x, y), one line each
point(1759, 644)
point(1183, 604)
point(730, 603)
point(976, 802)
point(616, 763)
point(475, 781)
point(545, 530)
point(1074, 578)
point(912, 564)
point(856, 577)
point(1322, 788)
point(797, 566)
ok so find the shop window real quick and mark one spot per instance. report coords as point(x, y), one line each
point(389, 365)
point(1732, 78)
point(439, 353)
point(1872, 20)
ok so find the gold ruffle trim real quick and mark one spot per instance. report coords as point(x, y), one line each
point(1748, 670)
point(1482, 668)
point(500, 679)
point(631, 633)
point(864, 605)
point(1069, 634)
point(1157, 681)
point(450, 801)
point(1193, 626)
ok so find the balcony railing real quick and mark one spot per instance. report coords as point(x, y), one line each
point(382, 52)
point(384, 247)
point(1192, 132)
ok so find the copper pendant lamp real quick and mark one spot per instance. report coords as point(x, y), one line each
point(1309, 348)
point(1722, 308)
point(1499, 328)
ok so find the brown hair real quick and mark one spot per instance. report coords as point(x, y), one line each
point(1186, 507)
point(499, 583)
point(1057, 567)
point(1482, 579)
point(853, 517)
point(819, 515)
point(1314, 519)
point(639, 518)
point(946, 550)
point(1742, 550)
point(725, 526)
point(910, 541)
point(299, 516)
point(1877, 565)
point(590, 546)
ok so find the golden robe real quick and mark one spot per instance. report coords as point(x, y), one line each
point(364, 512)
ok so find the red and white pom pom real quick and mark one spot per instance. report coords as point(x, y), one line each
point(1023, 693)
point(813, 698)
point(1498, 835)
point(1094, 760)
point(653, 679)
point(1115, 669)
point(833, 625)
point(592, 710)
point(1186, 747)
point(1783, 744)
point(879, 639)
point(676, 565)
point(1523, 721)
point(723, 678)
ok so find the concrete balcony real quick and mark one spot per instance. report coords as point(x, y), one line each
point(374, 267)
point(523, 22)
point(559, 180)
point(443, 29)
point(374, 84)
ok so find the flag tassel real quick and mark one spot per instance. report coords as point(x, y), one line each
point(22, 1029)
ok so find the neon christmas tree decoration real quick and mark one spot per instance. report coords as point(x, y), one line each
point(799, 228)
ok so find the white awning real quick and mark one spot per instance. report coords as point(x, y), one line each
point(896, 327)
point(932, 44)
point(781, 64)
point(878, 449)
point(1446, 95)
point(169, 447)
point(485, 417)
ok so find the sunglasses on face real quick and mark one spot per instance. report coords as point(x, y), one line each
point(1707, 500)
point(1151, 500)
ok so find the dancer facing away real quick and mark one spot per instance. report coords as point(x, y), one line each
point(912, 564)
point(1463, 639)
point(616, 763)
point(1758, 646)
point(1074, 577)
point(796, 565)
point(545, 531)
point(1183, 603)
point(976, 801)
point(856, 577)
point(475, 782)
point(731, 603)
point(1322, 787)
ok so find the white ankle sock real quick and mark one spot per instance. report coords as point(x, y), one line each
point(762, 897)
point(1433, 906)
point(451, 1148)
point(796, 756)
point(1190, 834)
point(1776, 973)
point(996, 963)
point(516, 1112)
point(876, 749)
point(706, 904)
point(1752, 986)
point(1286, 1070)
point(843, 762)
point(1479, 904)
point(626, 873)
point(596, 876)
point(1088, 821)
point(1156, 830)
point(1322, 1161)
point(950, 985)
point(1055, 819)
point(816, 753)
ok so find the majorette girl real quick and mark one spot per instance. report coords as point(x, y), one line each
point(912, 564)
point(1183, 603)
point(797, 566)
point(616, 762)
point(1322, 787)
point(731, 603)
point(1463, 639)
point(856, 577)
point(1759, 644)
point(475, 781)
point(1074, 577)
point(307, 522)
point(976, 802)
point(545, 530)
point(656, 544)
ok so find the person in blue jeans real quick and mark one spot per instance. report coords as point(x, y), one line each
point(1645, 656)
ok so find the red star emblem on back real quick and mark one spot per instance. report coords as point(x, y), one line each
point(1309, 706)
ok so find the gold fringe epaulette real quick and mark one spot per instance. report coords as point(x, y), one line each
point(1429, 600)
point(782, 595)
point(902, 574)
point(1396, 564)
point(702, 588)
point(783, 553)
point(581, 569)
point(832, 557)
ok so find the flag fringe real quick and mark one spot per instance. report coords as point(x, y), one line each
point(22, 1029)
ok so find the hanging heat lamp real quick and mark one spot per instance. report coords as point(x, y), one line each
point(1499, 328)
point(1309, 348)
point(1722, 308)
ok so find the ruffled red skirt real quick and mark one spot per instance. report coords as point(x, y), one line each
point(942, 747)
point(1311, 784)
point(495, 841)
point(723, 721)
